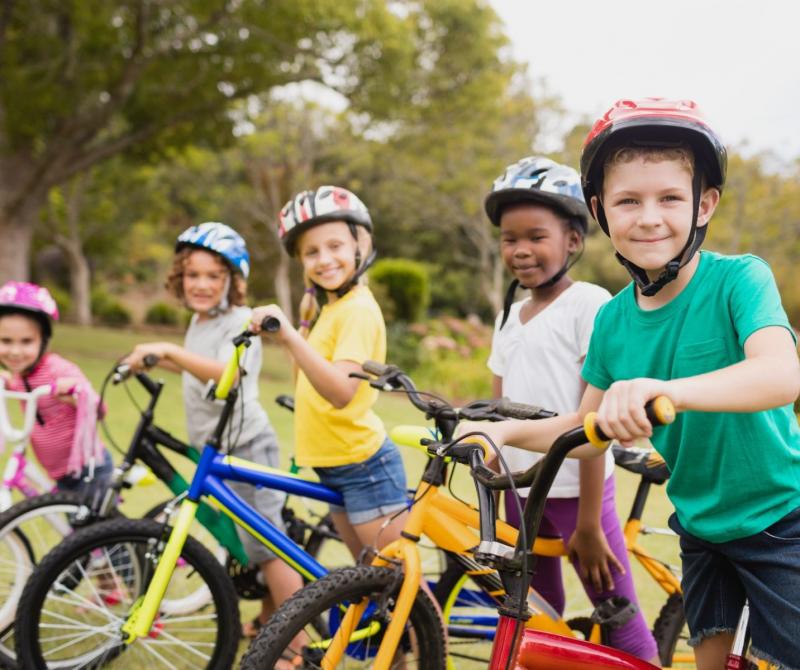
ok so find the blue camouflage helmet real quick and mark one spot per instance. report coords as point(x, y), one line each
point(539, 180)
point(221, 239)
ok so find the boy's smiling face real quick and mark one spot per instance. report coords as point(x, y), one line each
point(648, 205)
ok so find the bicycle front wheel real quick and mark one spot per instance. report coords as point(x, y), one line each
point(76, 601)
point(672, 634)
point(28, 531)
point(303, 625)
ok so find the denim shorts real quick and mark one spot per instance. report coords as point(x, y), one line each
point(372, 488)
point(765, 569)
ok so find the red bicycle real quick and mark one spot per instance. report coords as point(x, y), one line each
point(516, 646)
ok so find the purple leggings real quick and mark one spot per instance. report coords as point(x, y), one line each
point(560, 519)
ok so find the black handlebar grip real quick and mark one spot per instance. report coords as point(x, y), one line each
point(270, 324)
point(374, 368)
point(518, 410)
point(150, 361)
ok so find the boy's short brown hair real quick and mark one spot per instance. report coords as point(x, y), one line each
point(237, 293)
point(681, 153)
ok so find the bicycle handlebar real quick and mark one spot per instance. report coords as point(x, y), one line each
point(660, 412)
point(392, 377)
point(123, 371)
point(31, 399)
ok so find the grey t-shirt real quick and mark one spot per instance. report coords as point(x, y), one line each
point(213, 338)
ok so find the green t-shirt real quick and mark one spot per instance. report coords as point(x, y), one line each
point(733, 475)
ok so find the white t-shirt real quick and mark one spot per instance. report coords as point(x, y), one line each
point(213, 338)
point(540, 364)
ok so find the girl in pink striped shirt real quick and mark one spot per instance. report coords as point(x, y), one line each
point(64, 437)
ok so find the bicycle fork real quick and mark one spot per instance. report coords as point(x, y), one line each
point(145, 610)
point(402, 551)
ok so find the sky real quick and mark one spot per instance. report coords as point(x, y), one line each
point(739, 60)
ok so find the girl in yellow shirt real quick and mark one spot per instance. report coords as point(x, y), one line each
point(336, 430)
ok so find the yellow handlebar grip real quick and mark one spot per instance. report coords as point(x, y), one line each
point(663, 410)
point(592, 434)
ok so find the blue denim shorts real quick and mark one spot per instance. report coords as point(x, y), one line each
point(371, 489)
point(765, 569)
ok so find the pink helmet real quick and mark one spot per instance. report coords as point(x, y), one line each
point(30, 299)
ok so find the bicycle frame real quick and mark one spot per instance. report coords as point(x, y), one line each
point(20, 474)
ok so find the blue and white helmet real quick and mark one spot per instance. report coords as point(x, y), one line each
point(220, 239)
point(539, 180)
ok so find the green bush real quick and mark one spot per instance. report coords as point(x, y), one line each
point(109, 311)
point(162, 314)
point(405, 285)
point(62, 298)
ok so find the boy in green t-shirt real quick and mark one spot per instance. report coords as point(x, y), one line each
point(709, 332)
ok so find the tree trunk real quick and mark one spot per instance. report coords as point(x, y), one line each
point(16, 232)
point(80, 281)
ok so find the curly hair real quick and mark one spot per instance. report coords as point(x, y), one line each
point(237, 293)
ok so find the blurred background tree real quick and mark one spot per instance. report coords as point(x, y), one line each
point(122, 123)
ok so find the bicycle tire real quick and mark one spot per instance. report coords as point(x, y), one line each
point(68, 588)
point(22, 545)
point(321, 600)
point(668, 628)
point(463, 599)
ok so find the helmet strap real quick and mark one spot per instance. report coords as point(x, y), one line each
point(350, 283)
point(361, 268)
point(508, 300)
point(223, 305)
point(693, 243)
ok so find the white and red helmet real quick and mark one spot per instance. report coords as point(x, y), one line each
point(312, 208)
point(17, 297)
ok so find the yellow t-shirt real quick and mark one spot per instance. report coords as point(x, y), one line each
point(350, 329)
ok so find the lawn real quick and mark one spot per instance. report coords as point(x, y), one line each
point(96, 349)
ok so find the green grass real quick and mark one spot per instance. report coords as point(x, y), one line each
point(96, 349)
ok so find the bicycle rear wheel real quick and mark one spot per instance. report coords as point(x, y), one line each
point(75, 603)
point(303, 624)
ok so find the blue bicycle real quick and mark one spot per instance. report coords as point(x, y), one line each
point(67, 621)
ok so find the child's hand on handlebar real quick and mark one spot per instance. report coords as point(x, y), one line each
point(261, 313)
point(65, 386)
point(135, 359)
point(621, 414)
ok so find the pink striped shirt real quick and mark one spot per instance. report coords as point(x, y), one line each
point(53, 442)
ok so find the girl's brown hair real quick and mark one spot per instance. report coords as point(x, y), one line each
point(237, 293)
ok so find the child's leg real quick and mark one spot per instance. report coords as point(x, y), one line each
point(635, 636)
point(547, 580)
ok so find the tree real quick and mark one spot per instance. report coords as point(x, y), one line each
point(425, 176)
point(83, 81)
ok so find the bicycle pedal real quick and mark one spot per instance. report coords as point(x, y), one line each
point(614, 612)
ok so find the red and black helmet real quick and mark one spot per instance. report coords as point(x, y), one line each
point(652, 122)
